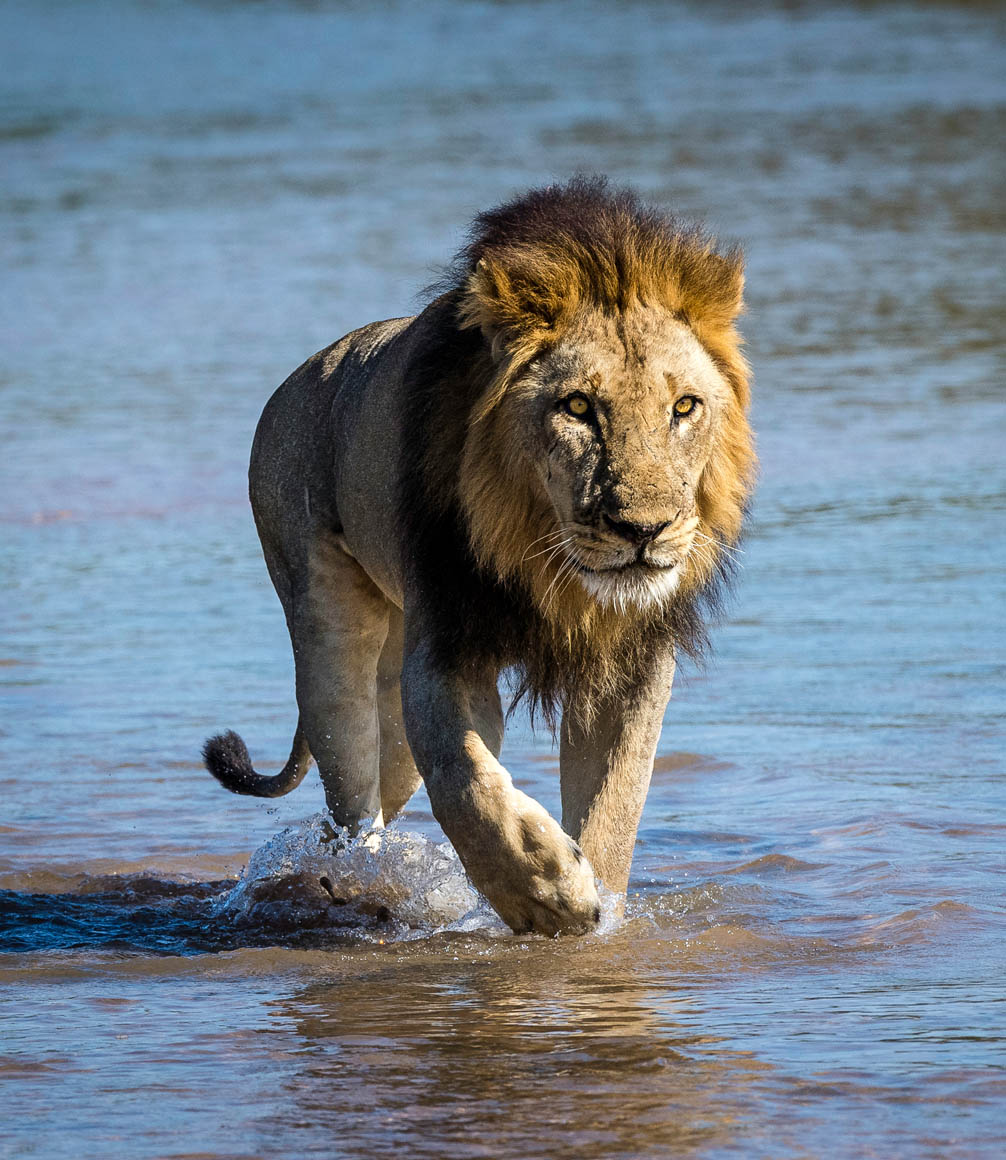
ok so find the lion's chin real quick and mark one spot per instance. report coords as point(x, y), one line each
point(638, 587)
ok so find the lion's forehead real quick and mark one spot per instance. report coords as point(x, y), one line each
point(645, 355)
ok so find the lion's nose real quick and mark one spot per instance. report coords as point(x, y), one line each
point(635, 533)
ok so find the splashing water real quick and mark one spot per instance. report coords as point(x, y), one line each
point(316, 874)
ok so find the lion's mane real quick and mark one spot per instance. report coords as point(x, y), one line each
point(468, 508)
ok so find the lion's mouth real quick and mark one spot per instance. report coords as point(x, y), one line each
point(605, 561)
point(622, 577)
point(628, 566)
point(637, 582)
point(600, 557)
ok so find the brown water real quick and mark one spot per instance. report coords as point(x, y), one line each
point(197, 196)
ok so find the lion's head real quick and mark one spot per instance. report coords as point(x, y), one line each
point(608, 461)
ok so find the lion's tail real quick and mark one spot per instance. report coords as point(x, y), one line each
point(226, 757)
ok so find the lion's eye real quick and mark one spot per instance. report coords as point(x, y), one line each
point(577, 405)
point(685, 405)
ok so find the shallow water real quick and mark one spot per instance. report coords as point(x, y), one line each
point(197, 196)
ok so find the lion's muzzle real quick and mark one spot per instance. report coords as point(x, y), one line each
point(636, 533)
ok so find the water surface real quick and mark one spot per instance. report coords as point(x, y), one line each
point(195, 197)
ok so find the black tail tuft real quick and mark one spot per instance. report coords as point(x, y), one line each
point(226, 757)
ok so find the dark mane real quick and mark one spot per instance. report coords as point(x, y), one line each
point(527, 265)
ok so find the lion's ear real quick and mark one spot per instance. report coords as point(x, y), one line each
point(712, 287)
point(515, 306)
point(731, 277)
point(484, 292)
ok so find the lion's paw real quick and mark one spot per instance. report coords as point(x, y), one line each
point(532, 872)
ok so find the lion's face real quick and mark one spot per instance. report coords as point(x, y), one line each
point(618, 421)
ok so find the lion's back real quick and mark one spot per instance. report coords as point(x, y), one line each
point(325, 444)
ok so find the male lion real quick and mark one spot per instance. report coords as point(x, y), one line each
point(543, 473)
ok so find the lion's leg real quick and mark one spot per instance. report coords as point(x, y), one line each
point(605, 771)
point(338, 624)
point(533, 873)
point(399, 777)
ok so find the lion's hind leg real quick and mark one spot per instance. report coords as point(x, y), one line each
point(338, 622)
point(399, 777)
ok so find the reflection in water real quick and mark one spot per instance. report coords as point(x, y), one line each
point(575, 1053)
point(683, 1030)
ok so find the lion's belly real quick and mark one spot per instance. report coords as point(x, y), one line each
point(370, 550)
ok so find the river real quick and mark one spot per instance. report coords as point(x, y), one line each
point(197, 196)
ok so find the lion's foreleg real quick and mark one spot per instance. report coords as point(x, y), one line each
point(605, 770)
point(533, 873)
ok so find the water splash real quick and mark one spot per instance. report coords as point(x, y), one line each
point(310, 886)
point(314, 874)
point(395, 883)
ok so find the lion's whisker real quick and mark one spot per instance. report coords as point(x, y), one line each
point(545, 550)
point(548, 536)
point(565, 568)
point(702, 554)
point(570, 577)
point(553, 552)
point(720, 544)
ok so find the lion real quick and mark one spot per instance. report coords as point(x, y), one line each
point(542, 476)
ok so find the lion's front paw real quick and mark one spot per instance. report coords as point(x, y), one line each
point(536, 877)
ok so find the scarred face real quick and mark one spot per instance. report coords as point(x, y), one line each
point(625, 410)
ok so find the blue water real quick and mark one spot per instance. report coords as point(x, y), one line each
point(195, 197)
